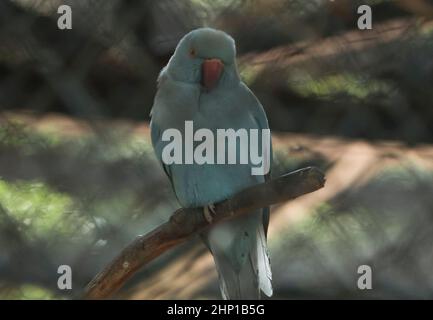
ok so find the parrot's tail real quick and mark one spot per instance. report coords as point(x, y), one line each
point(242, 260)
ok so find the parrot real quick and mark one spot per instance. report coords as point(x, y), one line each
point(201, 83)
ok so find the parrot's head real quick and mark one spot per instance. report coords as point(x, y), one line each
point(205, 57)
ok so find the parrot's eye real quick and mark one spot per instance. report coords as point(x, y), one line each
point(192, 52)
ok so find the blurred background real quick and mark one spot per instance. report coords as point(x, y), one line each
point(78, 178)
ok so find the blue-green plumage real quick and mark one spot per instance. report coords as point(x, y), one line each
point(239, 245)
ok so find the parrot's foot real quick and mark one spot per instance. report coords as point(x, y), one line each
point(209, 212)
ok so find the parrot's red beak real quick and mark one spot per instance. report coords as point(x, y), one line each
point(211, 70)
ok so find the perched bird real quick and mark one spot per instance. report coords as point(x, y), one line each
point(201, 83)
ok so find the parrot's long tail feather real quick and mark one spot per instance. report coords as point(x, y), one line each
point(243, 263)
point(264, 266)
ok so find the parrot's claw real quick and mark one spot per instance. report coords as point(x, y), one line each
point(209, 212)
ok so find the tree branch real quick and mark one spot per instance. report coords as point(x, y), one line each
point(187, 222)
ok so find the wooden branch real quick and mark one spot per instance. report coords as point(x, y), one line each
point(187, 222)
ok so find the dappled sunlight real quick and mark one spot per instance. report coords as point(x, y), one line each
point(79, 178)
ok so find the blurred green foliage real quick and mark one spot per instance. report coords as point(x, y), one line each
point(41, 210)
point(330, 86)
point(78, 199)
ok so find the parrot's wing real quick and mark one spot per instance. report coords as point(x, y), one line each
point(175, 102)
point(257, 111)
point(155, 129)
point(263, 122)
point(155, 134)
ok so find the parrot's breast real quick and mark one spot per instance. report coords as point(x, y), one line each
point(198, 185)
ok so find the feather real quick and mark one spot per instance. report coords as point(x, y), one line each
point(264, 264)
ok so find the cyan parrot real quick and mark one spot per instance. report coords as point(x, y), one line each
point(201, 84)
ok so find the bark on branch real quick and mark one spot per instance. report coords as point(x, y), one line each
point(187, 222)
